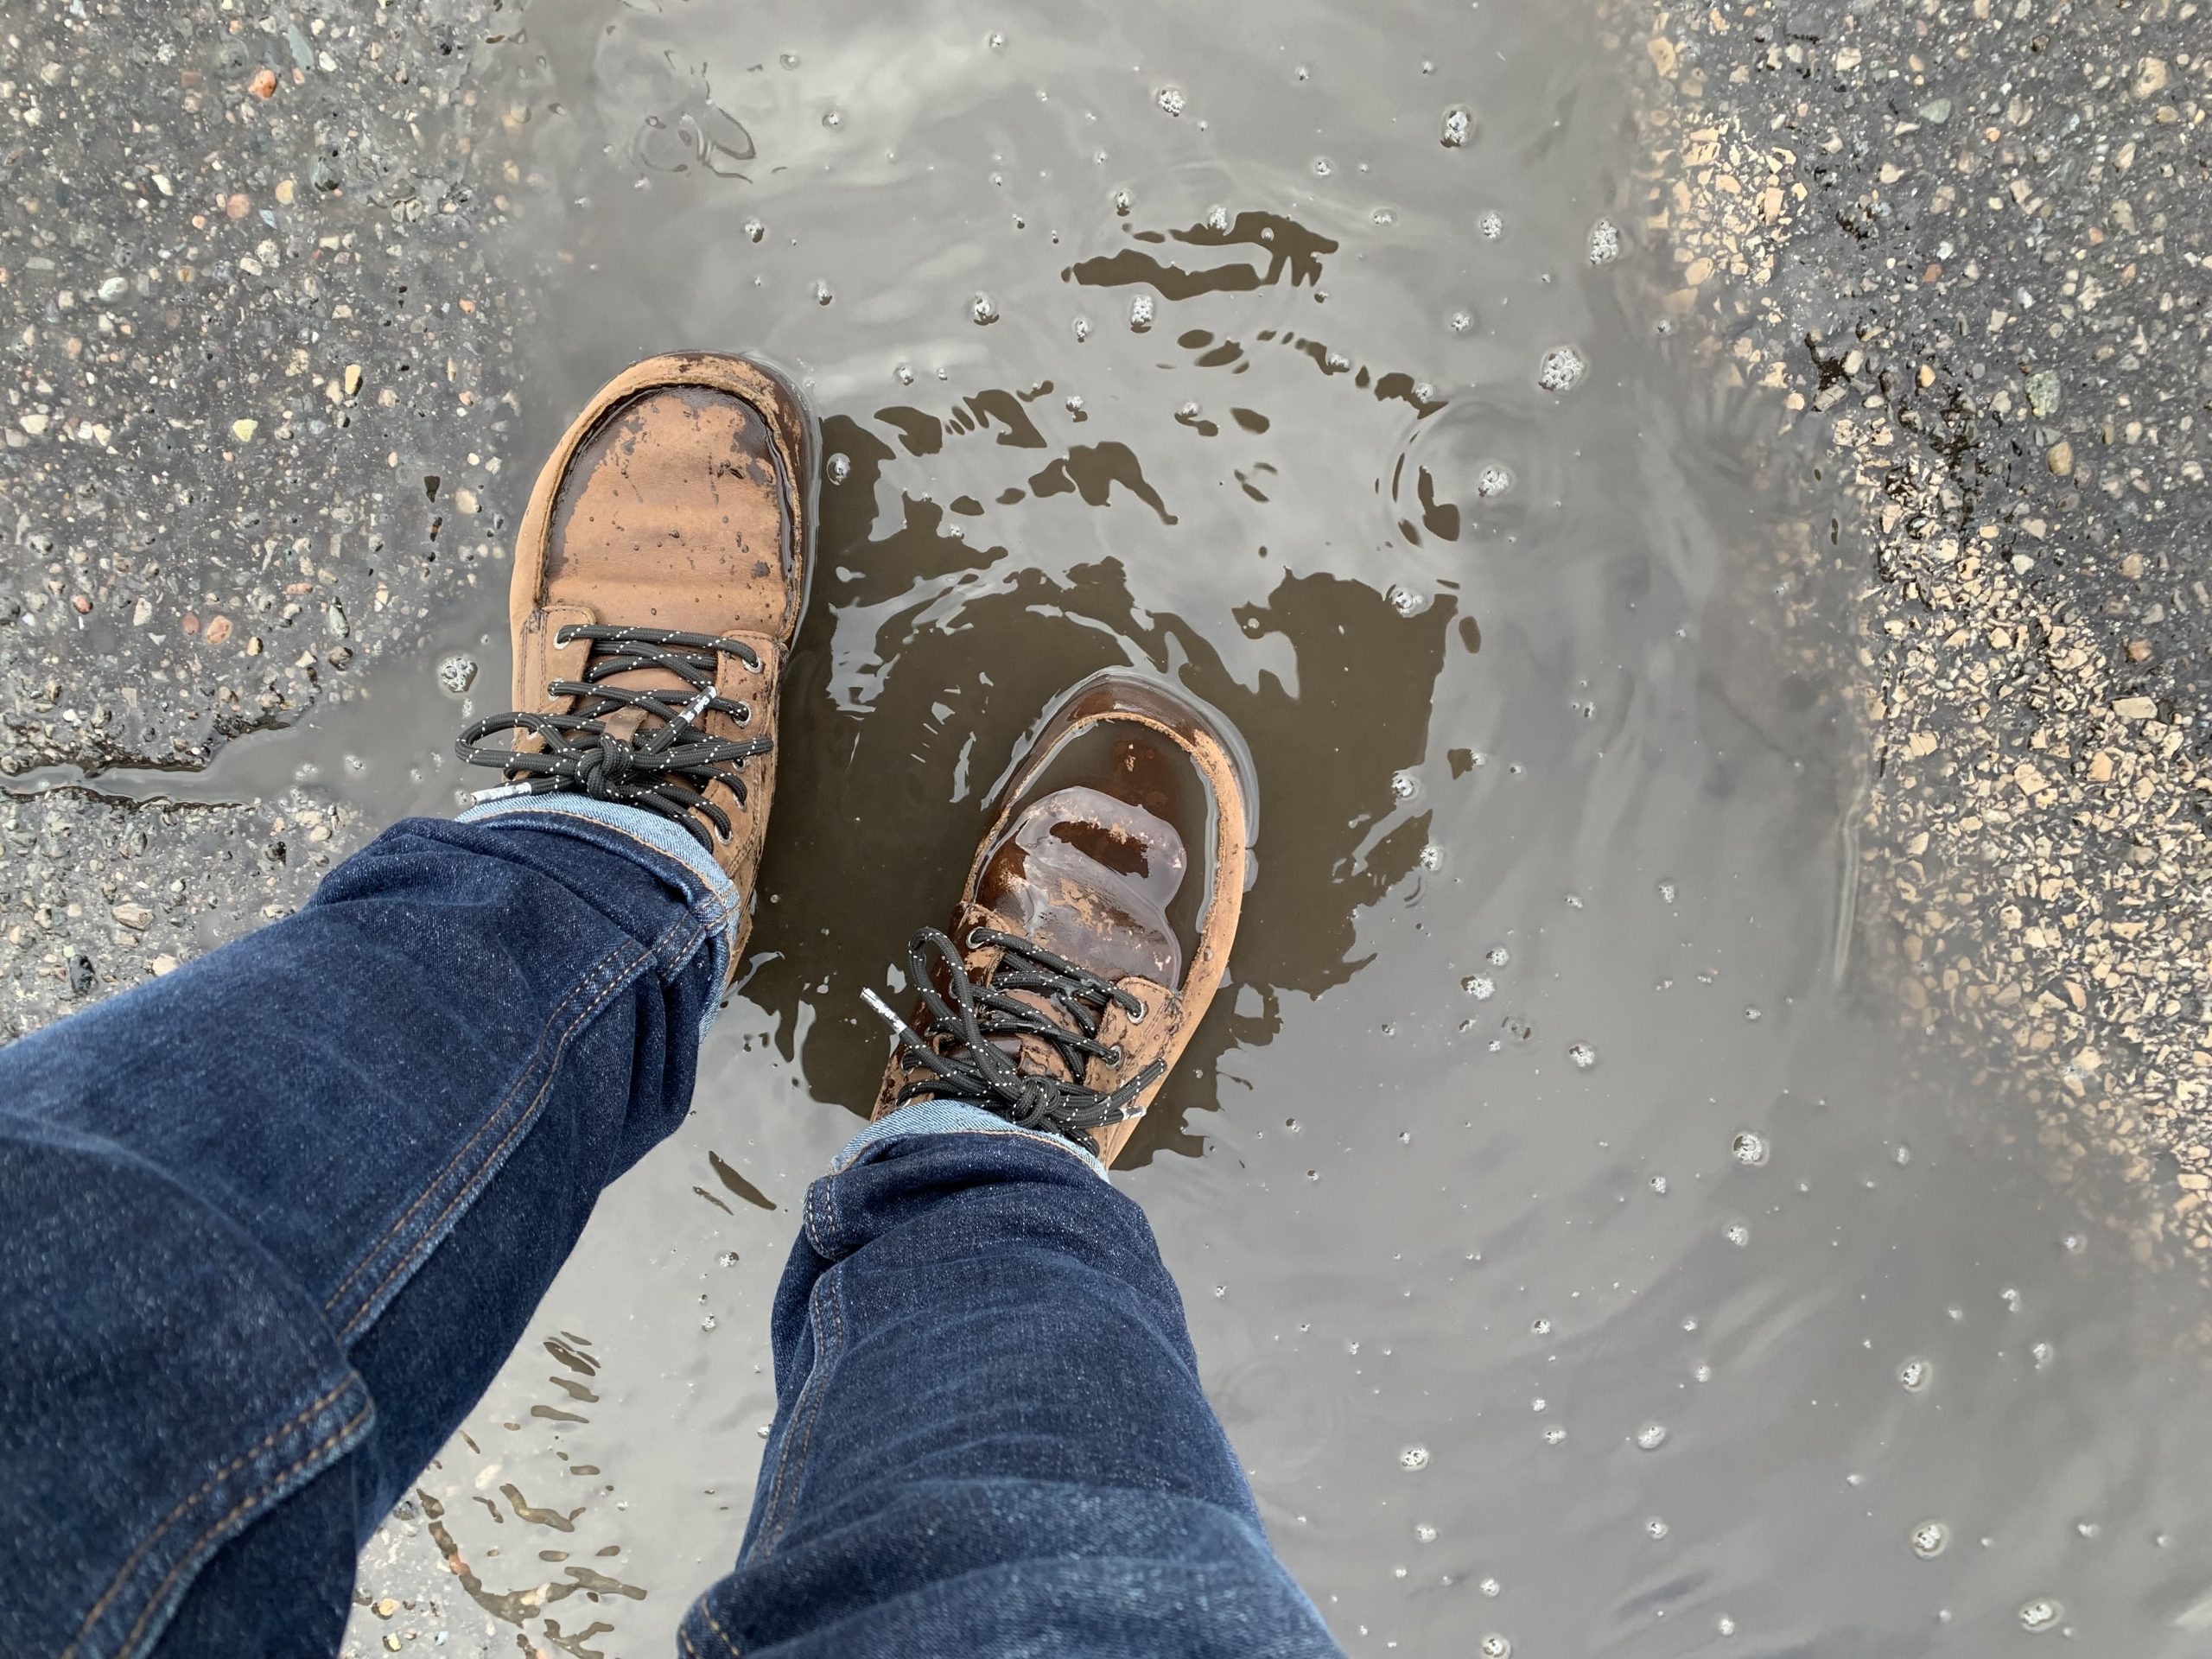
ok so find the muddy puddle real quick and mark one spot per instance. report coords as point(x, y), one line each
point(1566, 1259)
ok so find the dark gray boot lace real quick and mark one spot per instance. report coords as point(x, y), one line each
point(960, 1061)
point(665, 766)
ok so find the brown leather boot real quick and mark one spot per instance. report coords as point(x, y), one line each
point(1095, 922)
point(660, 572)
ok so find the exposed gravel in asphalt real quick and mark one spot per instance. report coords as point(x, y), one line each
point(258, 363)
point(255, 420)
point(1969, 238)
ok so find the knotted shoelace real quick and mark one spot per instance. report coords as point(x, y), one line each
point(961, 1060)
point(665, 766)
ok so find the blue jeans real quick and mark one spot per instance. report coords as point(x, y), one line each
point(269, 1225)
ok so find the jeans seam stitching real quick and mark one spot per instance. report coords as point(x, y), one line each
point(690, 926)
point(721, 1635)
point(169, 1520)
point(521, 1125)
point(786, 1463)
point(130, 1641)
point(398, 1226)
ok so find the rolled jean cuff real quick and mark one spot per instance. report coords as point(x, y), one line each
point(948, 1117)
point(644, 838)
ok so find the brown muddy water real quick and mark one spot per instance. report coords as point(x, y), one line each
point(1567, 1259)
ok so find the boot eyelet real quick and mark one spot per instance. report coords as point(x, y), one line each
point(975, 938)
point(1114, 1057)
point(1138, 1016)
point(744, 714)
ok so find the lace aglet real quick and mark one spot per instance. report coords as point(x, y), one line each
point(904, 1033)
point(508, 791)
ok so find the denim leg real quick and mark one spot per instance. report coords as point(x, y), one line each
point(990, 1437)
point(274, 1221)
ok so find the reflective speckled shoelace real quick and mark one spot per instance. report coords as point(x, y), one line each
point(960, 1061)
point(665, 766)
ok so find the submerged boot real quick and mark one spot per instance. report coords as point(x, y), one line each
point(1095, 922)
point(659, 576)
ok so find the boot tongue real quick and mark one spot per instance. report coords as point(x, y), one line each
point(671, 689)
point(1090, 878)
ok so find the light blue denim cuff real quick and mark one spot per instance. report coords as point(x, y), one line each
point(655, 838)
point(948, 1117)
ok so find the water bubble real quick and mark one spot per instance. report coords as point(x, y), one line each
point(1493, 481)
point(1583, 1055)
point(832, 119)
point(1075, 404)
point(2011, 1297)
point(1458, 126)
point(1929, 1539)
point(1555, 1435)
point(1413, 1456)
point(706, 1322)
point(1123, 203)
point(2088, 1528)
point(1498, 955)
point(754, 230)
point(1701, 1373)
point(1403, 785)
point(1667, 891)
point(1736, 1234)
point(1491, 1588)
point(1496, 1647)
point(905, 373)
point(1492, 226)
point(2040, 1615)
point(822, 294)
point(1216, 218)
point(1913, 1374)
point(984, 309)
point(1383, 216)
point(1903, 1155)
point(1541, 1328)
point(1481, 986)
point(1323, 167)
point(2075, 1244)
point(1659, 1184)
point(839, 468)
point(1172, 100)
point(1141, 313)
point(1425, 1533)
point(1563, 366)
point(2042, 1353)
point(1656, 1527)
point(996, 40)
point(1462, 321)
point(1430, 857)
point(1651, 1436)
point(1725, 1625)
point(1336, 362)
point(1749, 1147)
point(1082, 329)
point(1605, 241)
point(457, 673)
point(1404, 601)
